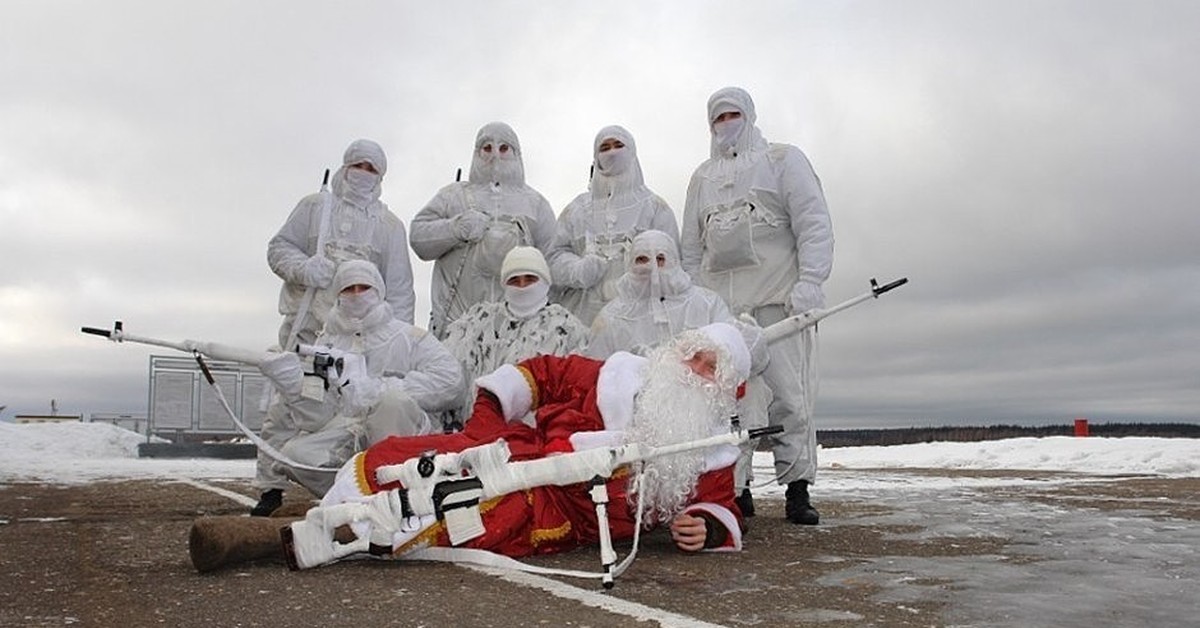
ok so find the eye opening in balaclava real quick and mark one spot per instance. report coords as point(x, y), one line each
point(357, 186)
point(740, 136)
point(497, 166)
point(356, 303)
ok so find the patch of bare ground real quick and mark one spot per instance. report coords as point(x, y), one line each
point(115, 554)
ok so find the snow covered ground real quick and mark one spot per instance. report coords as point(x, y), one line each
point(1062, 564)
point(82, 452)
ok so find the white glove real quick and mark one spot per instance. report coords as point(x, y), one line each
point(317, 271)
point(361, 394)
point(470, 225)
point(353, 366)
point(285, 371)
point(753, 335)
point(806, 296)
point(591, 269)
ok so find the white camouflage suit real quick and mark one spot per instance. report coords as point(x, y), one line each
point(757, 231)
point(468, 228)
point(359, 226)
point(655, 303)
point(596, 229)
point(407, 375)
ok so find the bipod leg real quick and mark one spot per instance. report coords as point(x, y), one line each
point(608, 556)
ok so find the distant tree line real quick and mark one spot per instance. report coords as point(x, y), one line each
point(904, 436)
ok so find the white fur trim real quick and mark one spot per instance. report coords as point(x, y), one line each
point(720, 456)
point(621, 379)
point(727, 518)
point(512, 388)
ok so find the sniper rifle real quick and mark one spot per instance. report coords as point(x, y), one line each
point(450, 487)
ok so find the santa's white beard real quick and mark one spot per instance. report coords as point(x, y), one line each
point(674, 406)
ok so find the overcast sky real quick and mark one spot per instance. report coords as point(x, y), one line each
point(1031, 167)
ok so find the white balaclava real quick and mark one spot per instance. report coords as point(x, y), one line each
point(617, 170)
point(358, 306)
point(648, 281)
point(492, 163)
point(526, 301)
point(733, 137)
point(354, 185)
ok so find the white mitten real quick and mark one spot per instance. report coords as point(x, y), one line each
point(361, 394)
point(470, 225)
point(752, 334)
point(352, 366)
point(806, 296)
point(592, 269)
point(285, 371)
point(317, 271)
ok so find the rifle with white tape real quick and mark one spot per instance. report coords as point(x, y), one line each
point(449, 487)
point(799, 322)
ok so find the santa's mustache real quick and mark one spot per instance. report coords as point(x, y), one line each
point(674, 406)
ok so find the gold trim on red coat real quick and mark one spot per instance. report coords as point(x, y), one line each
point(533, 389)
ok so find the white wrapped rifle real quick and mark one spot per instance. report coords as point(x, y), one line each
point(213, 350)
point(322, 236)
point(451, 486)
point(216, 351)
point(798, 322)
point(333, 364)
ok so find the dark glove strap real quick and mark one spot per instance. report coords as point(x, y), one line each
point(715, 533)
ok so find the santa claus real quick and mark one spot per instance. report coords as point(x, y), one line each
point(684, 391)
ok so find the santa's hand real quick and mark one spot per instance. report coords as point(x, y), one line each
point(806, 296)
point(688, 532)
point(361, 394)
point(285, 371)
point(317, 271)
point(470, 225)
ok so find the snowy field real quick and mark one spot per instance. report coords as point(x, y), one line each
point(1076, 546)
point(83, 452)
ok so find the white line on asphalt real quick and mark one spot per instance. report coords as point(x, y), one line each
point(595, 599)
point(237, 497)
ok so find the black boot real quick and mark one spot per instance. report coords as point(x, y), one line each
point(798, 509)
point(745, 503)
point(269, 502)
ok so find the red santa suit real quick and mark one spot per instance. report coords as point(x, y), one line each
point(546, 405)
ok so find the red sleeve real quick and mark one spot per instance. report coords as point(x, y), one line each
point(565, 397)
point(716, 487)
point(714, 498)
point(487, 418)
point(561, 387)
point(561, 379)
